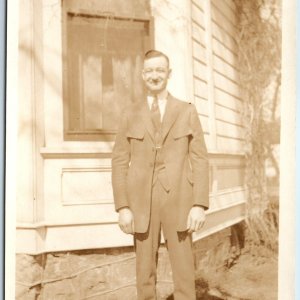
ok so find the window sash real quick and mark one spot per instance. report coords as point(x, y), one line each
point(102, 73)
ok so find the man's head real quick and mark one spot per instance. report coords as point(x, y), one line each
point(156, 71)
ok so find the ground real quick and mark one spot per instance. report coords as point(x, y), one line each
point(251, 273)
point(250, 278)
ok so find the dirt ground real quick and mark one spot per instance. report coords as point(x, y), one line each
point(250, 278)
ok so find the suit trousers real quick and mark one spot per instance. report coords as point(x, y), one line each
point(179, 245)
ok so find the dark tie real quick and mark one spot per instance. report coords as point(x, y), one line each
point(155, 114)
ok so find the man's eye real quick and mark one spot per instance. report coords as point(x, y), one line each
point(158, 70)
point(148, 70)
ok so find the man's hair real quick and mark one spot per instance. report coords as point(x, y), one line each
point(156, 53)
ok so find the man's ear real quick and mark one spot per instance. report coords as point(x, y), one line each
point(170, 73)
point(143, 75)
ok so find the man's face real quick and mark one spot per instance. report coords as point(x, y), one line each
point(156, 73)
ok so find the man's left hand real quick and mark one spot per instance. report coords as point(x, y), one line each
point(196, 219)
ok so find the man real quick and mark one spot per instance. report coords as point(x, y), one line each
point(160, 179)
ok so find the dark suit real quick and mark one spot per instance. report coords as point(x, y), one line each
point(184, 181)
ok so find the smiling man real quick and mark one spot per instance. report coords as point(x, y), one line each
point(160, 179)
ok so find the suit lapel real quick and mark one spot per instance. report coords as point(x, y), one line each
point(171, 114)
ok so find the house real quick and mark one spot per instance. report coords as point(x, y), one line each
point(79, 62)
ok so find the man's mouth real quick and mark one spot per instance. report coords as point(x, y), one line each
point(155, 82)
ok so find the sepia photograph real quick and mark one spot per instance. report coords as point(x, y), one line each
point(144, 150)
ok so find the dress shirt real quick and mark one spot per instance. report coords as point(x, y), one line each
point(162, 102)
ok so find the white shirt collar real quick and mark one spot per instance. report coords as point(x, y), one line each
point(161, 96)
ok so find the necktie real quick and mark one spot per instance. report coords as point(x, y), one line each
point(155, 113)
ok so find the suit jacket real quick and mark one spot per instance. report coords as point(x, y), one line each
point(185, 159)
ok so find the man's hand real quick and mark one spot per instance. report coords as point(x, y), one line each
point(196, 219)
point(126, 221)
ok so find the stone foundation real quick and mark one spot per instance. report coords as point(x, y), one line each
point(105, 274)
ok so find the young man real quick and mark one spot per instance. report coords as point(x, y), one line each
point(160, 179)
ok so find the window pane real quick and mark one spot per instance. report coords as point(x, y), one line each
point(103, 71)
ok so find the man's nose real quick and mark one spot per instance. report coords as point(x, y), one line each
point(154, 75)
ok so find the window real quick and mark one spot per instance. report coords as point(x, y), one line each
point(102, 72)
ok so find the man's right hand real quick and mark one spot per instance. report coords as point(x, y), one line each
point(126, 221)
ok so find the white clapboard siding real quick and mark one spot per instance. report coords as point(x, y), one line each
point(231, 5)
point(223, 26)
point(224, 37)
point(217, 92)
point(200, 4)
point(199, 51)
point(228, 115)
point(230, 130)
point(224, 83)
point(227, 93)
point(198, 16)
point(225, 99)
point(222, 51)
point(200, 70)
point(201, 106)
point(198, 33)
point(200, 88)
point(221, 7)
point(222, 66)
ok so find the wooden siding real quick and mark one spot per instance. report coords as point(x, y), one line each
point(216, 77)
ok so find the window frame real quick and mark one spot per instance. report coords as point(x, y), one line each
point(96, 134)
